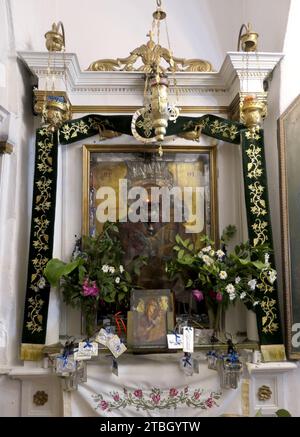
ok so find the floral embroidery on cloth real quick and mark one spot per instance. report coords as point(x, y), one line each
point(157, 399)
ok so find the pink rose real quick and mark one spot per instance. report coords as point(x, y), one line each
point(196, 395)
point(103, 405)
point(209, 402)
point(116, 397)
point(173, 392)
point(219, 296)
point(155, 398)
point(198, 295)
point(138, 394)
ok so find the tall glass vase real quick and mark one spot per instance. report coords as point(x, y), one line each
point(90, 321)
point(215, 316)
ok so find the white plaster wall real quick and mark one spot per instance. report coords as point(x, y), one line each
point(285, 87)
point(112, 28)
point(15, 199)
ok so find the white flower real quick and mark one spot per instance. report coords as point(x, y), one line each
point(255, 303)
point(252, 284)
point(267, 257)
point(243, 295)
point(237, 280)
point(223, 274)
point(200, 254)
point(206, 249)
point(42, 282)
point(121, 268)
point(220, 254)
point(272, 275)
point(111, 269)
point(232, 296)
point(212, 253)
point(117, 280)
point(208, 260)
point(105, 268)
point(230, 289)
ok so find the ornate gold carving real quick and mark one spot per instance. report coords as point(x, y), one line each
point(40, 398)
point(151, 54)
point(235, 105)
point(253, 111)
point(91, 109)
point(5, 147)
point(55, 113)
point(264, 393)
point(40, 98)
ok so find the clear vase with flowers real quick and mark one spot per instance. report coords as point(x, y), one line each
point(218, 278)
point(95, 280)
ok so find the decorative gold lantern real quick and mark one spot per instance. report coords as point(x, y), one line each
point(56, 108)
point(157, 111)
point(248, 41)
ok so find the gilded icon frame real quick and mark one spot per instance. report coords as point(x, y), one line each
point(211, 151)
point(288, 149)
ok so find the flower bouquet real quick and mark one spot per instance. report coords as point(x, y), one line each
point(219, 278)
point(95, 278)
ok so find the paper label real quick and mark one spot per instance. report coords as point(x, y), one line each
point(79, 356)
point(103, 336)
point(88, 347)
point(65, 365)
point(175, 341)
point(188, 339)
point(115, 346)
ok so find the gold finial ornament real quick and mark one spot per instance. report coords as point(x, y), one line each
point(248, 40)
point(253, 111)
point(55, 39)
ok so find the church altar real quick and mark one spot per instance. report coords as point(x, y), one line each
point(149, 385)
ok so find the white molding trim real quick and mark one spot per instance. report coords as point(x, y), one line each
point(274, 376)
point(235, 66)
point(278, 367)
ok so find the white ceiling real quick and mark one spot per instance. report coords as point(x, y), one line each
point(112, 28)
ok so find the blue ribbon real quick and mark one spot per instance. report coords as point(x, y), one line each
point(177, 337)
point(88, 344)
point(187, 359)
point(64, 357)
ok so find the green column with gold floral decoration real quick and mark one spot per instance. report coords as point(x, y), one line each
point(41, 244)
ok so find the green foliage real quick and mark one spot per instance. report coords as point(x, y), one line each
point(279, 413)
point(223, 277)
point(95, 275)
point(283, 413)
point(228, 233)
